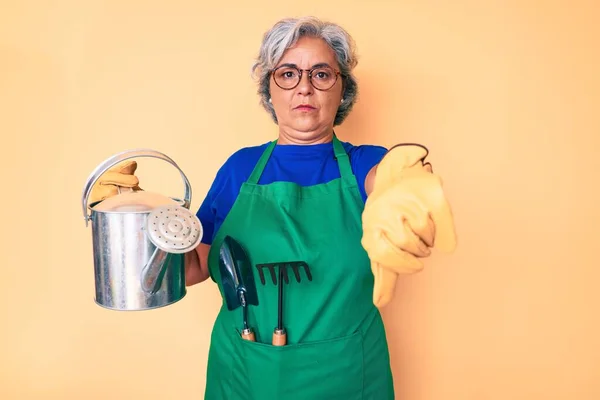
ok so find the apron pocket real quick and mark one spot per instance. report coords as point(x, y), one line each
point(329, 369)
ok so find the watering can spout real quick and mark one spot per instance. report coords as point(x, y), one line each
point(154, 271)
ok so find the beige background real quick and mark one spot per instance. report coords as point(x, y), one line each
point(504, 93)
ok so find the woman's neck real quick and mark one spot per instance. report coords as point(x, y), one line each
point(305, 138)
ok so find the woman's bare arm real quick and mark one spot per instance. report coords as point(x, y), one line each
point(196, 265)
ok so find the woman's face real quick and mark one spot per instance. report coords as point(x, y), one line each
point(305, 115)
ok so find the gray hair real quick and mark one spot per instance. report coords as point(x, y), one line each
point(284, 34)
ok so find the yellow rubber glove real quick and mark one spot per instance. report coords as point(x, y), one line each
point(120, 176)
point(405, 215)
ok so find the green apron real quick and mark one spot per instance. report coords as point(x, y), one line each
point(336, 343)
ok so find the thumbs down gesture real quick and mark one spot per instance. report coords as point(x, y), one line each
point(405, 216)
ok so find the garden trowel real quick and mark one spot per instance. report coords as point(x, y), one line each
point(237, 279)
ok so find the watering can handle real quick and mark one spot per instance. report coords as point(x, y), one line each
point(126, 155)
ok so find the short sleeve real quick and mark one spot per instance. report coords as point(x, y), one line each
point(362, 159)
point(207, 217)
point(206, 212)
point(225, 189)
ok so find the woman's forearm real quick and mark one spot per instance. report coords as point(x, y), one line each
point(196, 265)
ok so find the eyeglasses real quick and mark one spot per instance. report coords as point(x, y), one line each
point(288, 77)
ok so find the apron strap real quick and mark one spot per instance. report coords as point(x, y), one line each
point(342, 158)
point(260, 165)
point(338, 150)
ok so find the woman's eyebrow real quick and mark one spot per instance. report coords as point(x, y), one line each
point(292, 65)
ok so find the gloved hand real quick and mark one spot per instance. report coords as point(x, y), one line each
point(120, 176)
point(405, 215)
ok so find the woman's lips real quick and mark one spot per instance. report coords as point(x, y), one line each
point(305, 107)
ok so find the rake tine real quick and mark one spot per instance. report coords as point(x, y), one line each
point(296, 269)
point(261, 274)
point(273, 273)
point(283, 268)
point(284, 272)
point(271, 268)
point(296, 272)
point(306, 269)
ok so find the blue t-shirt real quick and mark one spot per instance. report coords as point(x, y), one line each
point(305, 165)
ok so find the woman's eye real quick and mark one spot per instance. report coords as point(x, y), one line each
point(321, 75)
point(288, 74)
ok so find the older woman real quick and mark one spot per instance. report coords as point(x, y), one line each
point(310, 197)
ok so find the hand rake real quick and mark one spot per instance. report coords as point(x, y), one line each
point(280, 334)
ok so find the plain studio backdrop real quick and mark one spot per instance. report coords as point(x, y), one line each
point(504, 93)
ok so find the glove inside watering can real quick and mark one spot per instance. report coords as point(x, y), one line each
point(114, 181)
point(405, 215)
point(118, 189)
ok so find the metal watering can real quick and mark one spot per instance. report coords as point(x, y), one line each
point(139, 241)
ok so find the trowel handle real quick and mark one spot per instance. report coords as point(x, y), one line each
point(279, 337)
point(248, 334)
point(125, 155)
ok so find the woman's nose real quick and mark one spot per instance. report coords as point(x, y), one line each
point(304, 87)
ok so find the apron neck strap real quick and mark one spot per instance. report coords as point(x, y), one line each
point(338, 150)
point(342, 158)
point(260, 165)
